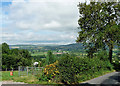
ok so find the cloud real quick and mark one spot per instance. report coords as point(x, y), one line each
point(38, 15)
point(38, 38)
point(32, 20)
point(52, 24)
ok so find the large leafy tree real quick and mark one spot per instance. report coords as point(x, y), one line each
point(99, 26)
point(5, 48)
point(12, 58)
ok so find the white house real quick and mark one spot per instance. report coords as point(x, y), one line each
point(35, 63)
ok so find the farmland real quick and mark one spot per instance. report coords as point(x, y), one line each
point(77, 49)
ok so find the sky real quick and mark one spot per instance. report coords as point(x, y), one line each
point(39, 21)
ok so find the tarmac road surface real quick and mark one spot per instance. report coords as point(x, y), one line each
point(110, 78)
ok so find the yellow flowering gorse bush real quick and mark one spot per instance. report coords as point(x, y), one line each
point(51, 70)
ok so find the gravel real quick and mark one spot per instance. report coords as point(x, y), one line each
point(11, 82)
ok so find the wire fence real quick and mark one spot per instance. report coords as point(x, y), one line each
point(25, 71)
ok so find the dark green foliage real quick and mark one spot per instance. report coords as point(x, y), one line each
point(102, 55)
point(99, 26)
point(5, 48)
point(68, 67)
point(116, 62)
point(41, 77)
point(71, 68)
point(50, 58)
point(12, 58)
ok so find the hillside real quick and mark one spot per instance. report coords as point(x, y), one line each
point(69, 47)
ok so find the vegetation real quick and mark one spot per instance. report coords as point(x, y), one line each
point(64, 64)
point(99, 26)
point(27, 79)
point(70, 67)
point(12, 58)
point(50, 58)
point(50, 72)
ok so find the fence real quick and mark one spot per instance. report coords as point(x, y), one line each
point(25, 71)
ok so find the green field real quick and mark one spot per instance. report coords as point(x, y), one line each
point(38, 53)
point(31, 79)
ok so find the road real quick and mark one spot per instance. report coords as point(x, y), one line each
point(110, 78)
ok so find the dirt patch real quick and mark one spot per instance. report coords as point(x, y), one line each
point(11, 82)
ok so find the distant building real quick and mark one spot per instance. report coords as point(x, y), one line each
point(57, 53)
point(15, 47)
point(35, 63)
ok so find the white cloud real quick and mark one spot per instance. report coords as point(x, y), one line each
point(38, 38)
point(52, 24)
point(26, 19)
point(43, 14)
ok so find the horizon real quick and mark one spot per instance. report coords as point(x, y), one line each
point(43, 44)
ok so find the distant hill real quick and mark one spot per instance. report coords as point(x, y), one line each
point(69, 47)
point(76, 47)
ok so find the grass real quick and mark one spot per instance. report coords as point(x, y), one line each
point(6, 75)
point(31, 79)
point(38, 53)
point(0, 76)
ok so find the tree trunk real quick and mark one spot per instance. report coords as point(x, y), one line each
point(110, 53)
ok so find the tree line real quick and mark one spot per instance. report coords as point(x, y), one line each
point(12, 58)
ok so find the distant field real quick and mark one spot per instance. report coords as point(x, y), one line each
point(79, 54)
point(38, 53)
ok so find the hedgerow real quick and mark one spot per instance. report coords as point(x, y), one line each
point(70, 67)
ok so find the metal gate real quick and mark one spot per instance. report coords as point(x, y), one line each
point(25, 71)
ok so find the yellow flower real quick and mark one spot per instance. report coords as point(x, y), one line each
point(49, 80)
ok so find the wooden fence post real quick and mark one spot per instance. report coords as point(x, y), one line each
point(19, 70)
point(27, 70)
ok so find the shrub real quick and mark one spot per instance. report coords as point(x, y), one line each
point(68, 67)
point(102, 55)
point(51, 70)
point(71, 68)
point(41, 77)
point(116, 63)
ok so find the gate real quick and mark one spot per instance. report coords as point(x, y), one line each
point(25, 71)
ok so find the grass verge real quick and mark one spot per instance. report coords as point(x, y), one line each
point(33, 80)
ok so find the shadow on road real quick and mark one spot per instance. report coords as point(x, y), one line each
point(114, 79)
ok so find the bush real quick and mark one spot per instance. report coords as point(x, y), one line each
point(51, 70)
point(49, 73)
point(68, 67)
point(102, 55)
point(71, 68)
point(116, 63)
